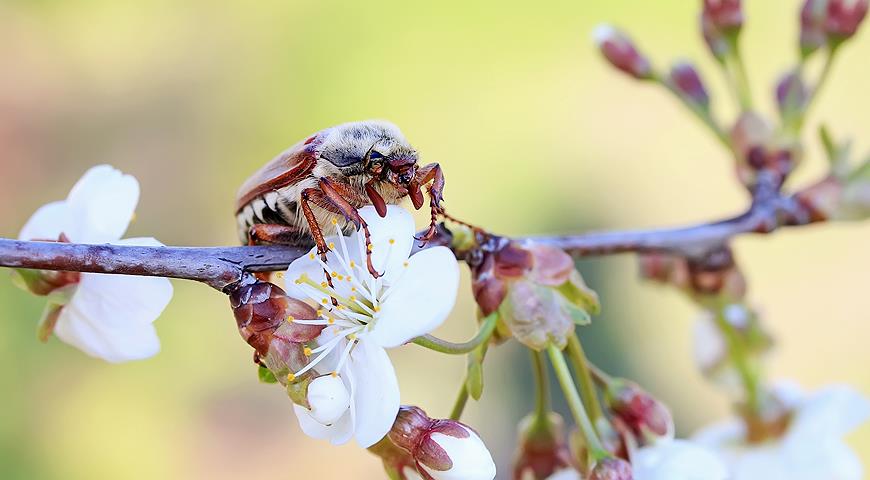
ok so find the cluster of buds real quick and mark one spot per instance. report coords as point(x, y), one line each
point(760, 151)
point(711, 280)
point(421, 447)
point(536, 290)
point(262, 311)
point(829, 22)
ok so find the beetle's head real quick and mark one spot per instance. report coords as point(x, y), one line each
point(375, 148)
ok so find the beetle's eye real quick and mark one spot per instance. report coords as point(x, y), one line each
point(374, 155)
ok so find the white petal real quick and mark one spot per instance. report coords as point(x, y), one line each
point(329, 399)
point(565, 474)
point(721, 435)
point(312, 268)
point(422, 299)
point(829, 413)
point(47, 223)
point(111, 316)
point(101, 205)
point(375, 392)
point(398, 226)
point(709, 346)
point(471, 459)
point(337, 433)
point(677, 460)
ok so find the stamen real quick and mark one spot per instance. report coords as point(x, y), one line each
point(291, 377)
point(346, 353)
point(306, 351)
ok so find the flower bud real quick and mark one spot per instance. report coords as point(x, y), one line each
point(813, 36)
point(620, 51)
point(665, 268)
point(261, 307)
point(543, 451)
point(725, 15)
point(714, 38)
point(398, 463)
point(611, 469)
point(328, 399)
point(645, 416)
point(791, 94)
point(759, 151)
point(442, 449)
point(844, 17)
point(687, 83)
point(844, 198)
point(537, 316)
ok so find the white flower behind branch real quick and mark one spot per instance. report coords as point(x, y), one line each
point(106, 316)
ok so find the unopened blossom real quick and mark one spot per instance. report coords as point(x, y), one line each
point(621, 52)
point(726, 15)
point(811, 446)
point(105, 316)
point(645, 416)
point(831, 22)
point(674, 459)
point(844, 17)
point(543, 450)
point(442, 449)
point(536, 289)
point(686, 81)
point(361, 316)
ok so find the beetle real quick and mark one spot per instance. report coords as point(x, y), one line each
point(291, 199)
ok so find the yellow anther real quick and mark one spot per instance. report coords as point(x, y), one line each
point(352, 289)
point(352, 298)
point(405, 264)
point(349, 278)
point(290, 318)
point(334, 273)
point(352, 264)
point(351, 337)
point(377, 308)
point(392, 241)
point(334, 374)
point(340, 277)
point(321, 312)
point(307, 351)
point(291, 377)
point(371, 247)
point(324, 284)
point(311, 256)
point(340, 307)
point(324, 301)
point(334, 220)
point(330, 321)
point(331, 245)
point(280, 274)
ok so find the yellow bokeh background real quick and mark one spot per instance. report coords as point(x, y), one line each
point(535, 134)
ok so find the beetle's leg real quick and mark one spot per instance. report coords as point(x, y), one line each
point(314, 195)
point(425, 174)
point(336, 193)
point(272, 233)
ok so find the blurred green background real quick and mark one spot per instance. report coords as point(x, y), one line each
point(535, 134)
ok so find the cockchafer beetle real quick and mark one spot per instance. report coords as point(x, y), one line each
point(335, 171)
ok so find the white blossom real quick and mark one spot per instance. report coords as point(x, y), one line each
point(413, 296)
point(812, 446)
point(106, 316)
point(677, 460)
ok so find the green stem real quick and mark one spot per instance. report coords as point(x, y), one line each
point(738, 72)
point(596, 449)
point(459, 404)
point(542, 390)
point(450, 348)
point(700, 112)
point(749, 375)
point(823, 78)
point(584, 378)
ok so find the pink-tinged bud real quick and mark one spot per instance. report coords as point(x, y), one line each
point(543, 450)
point(813, 35)
point(442, 449)
point(611, 469)
point(261, 307)
point(791, 94)
point(552, 266)
point(638, 410)
point(685, 80)
point(398, 463)
point(844, 17)
point(714, 38)
point(665, 268)
point(620, 51)
point(725, 15)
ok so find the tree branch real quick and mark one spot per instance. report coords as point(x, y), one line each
point(222, 267)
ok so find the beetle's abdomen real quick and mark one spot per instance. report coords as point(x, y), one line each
point(275, 207)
